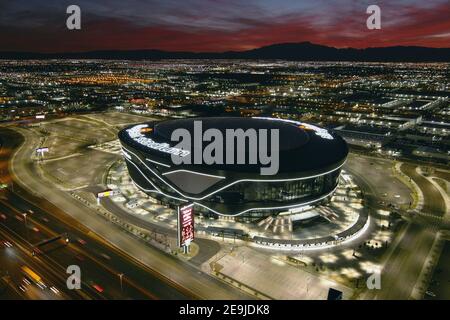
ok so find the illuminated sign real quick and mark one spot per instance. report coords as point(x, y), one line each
point(42, 150)
point(185, 225)
point(40, 116)
point(135, 133)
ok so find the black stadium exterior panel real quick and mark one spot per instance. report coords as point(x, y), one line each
point(310, 161)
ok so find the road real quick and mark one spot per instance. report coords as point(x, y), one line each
point(404, 263)
point(99, 264)
point(184, 277)
point(400, 273)
point(439, 288)
point(433, 202)
point(207, 248)
point(402, 270)
point(14, 254)
point(376, 178)
point(442, 174)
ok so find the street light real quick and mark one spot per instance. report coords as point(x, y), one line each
point(121, 281)
point(25, 223)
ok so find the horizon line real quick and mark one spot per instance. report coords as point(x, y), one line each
point(218, 52)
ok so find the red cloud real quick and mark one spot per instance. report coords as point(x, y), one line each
point(409, 26)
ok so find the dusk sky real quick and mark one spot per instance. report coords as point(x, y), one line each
point(219, 25)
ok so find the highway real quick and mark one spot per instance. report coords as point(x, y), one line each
point(100, 263)
point(15, 254)
point(187, 279)
point(95, 260)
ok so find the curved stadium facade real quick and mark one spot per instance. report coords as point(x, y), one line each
point(310, 161)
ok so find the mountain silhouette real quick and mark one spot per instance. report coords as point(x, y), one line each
point(303, 51)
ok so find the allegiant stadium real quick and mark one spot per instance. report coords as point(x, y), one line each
point(310, 162)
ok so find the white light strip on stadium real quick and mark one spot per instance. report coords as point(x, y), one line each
point(353, 237)
point(188, 206)
point(143, 189)
point(154, 186)
point(135, 134)
point(237, 181)
point(271, 208)
point(129, 157)
point(156, 191)
point(126, 154)
point(161, 164)
point(321, 132)
point(189, 171)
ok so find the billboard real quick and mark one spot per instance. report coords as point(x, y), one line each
point(185, 225)
point(106, 193)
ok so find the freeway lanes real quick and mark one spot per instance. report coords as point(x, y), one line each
point(179, 274)
point(17, 254)
point(94, 260)
point(101, 264)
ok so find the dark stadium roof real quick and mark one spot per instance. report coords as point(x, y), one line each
point(303, 148)
point(290, 136)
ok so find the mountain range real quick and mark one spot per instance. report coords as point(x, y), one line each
point(303, 51)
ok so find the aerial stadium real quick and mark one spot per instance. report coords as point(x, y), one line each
point(310, 161)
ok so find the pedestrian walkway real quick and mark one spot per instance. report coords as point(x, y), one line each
point(274, 276)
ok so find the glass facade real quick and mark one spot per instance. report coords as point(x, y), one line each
point(281, 192)
point(240, 196)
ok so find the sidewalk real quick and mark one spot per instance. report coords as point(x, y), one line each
point(269, 275)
